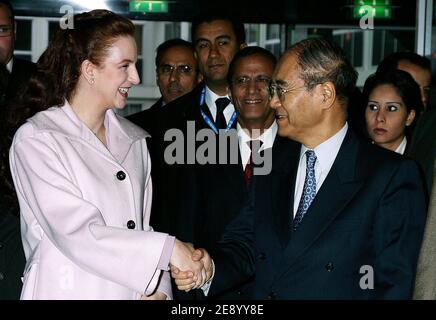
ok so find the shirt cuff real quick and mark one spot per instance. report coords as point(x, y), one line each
point(208, 283)
point(165, 257)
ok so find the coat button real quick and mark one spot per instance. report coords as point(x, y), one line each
point(131, 224)
point(2, 276)
point(272, 296)
point(121, 175)
point(329, 267)
point(261, 256)
point(1, 246)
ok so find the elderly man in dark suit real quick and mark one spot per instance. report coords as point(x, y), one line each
point(179, 204)
point(249, 75)
point(337, 218)
point(216, 39)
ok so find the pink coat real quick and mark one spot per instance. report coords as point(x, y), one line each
point(77, 199)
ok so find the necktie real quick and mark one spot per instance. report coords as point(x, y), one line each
point(254, 146)
point(309, 188)
point(221, 104)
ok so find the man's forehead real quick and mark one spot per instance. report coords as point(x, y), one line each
point(287, 68)
point(178, 53)
point(248, 62)
point(214, 29)
point(4, 12)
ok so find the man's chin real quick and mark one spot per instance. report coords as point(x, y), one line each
point(217, 79)
point(172, 97)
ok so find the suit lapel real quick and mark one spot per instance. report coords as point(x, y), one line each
point(338, 189)
point(285, 161)
point(234, 175)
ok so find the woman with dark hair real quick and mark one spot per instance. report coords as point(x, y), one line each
point(12, 258)
point(82, 173)
point(393, 101)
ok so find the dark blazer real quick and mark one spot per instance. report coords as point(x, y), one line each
point(191, 201)
point(369, 214)
point(181, 186)
point(218, 192)
point(12, 259)
point(423, 145)
point(148, 119)
point(22, 70)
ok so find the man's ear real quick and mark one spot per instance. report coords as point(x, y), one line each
point(242, 46)
point(88, 71)
point(327, 91)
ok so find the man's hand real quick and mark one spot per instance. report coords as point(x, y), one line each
point(184, 279)
point(181, 258)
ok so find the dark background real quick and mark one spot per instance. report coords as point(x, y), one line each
point(336, 12)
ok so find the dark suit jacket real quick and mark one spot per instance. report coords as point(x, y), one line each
point(191, 201)
point(370, 211)
point(148, 119)
point(12, 259)
point(22, 70)
point(423, 144)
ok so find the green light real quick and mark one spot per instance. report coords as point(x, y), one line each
point(148, 6)
point(383, 9)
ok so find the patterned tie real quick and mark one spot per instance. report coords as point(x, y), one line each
point(309, 188)
point(221, 104)
point(254, 147)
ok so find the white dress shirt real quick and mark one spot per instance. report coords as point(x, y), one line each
point(267, 138)
point(10, 64)
point(210, 99)
point(326, 154)
point(402, 147)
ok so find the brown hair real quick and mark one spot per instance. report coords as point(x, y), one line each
point(58, 68)
point(56, 77)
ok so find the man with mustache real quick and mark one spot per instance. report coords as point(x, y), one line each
point(176, 75)
point(184, 208)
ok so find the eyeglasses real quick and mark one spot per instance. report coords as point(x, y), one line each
point(273, 88)
point(5, 30)
point(262, 82)
point(182, 69)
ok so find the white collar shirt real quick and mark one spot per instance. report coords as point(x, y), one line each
point(326, 154)
point(267, 138)
point(210, 99)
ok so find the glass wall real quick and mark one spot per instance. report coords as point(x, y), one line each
point(365, 48)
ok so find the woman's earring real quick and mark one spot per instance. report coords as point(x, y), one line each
point(92, 81)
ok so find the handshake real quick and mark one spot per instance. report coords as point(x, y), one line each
point(191, 268)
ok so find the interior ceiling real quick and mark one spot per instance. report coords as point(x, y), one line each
point(336, 12)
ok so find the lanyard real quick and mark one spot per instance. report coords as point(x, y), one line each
point(208, 120)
